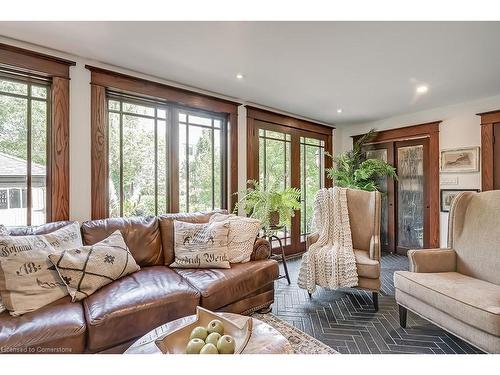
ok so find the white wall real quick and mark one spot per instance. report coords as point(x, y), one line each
point(460, 127)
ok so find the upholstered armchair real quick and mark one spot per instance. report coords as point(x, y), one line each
point(458, 288)
point(364, 218)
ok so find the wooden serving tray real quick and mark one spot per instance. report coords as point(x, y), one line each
point(176, 341)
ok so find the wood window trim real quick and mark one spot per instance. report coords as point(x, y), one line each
point(102, 80)
point(428, 130)
point(488, 121)
point(57, 70)
point(259, 118)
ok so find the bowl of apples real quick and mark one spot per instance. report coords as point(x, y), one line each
point(210, 333)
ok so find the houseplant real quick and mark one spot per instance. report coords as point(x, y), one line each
point(353, 170)
point(272, 206)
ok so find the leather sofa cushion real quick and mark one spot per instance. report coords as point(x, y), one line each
point(134, 305)
point(55, 328)
point(472, 301)
point(167, 229)
point(221, 287)
point(366, 267)
point(141, 234)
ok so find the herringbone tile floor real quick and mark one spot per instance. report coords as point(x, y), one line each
point(345, 320)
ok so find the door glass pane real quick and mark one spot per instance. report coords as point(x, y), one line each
point(275, 167)
point(410, 161)
point(312, 172)
point(381, 154)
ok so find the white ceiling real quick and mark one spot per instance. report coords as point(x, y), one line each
point(369, 69)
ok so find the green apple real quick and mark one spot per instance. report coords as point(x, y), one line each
point(226, 345)
point(213, 338)
point(216, 326)
point(194, 346)
point(209, 349)
point(199, 333)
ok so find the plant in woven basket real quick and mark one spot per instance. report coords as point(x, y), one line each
point(352, 169)
point(270, 205)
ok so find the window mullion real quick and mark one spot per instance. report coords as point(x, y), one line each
point(28, 169)
point(121, 159)
point(213, 163)
point(156, 160)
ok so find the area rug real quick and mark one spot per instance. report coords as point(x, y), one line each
point(300, 341)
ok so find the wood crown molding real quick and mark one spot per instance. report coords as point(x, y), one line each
point(133, 85)
point(286, 120)
point(489, 117)
point(406, 132)
point(34, 62)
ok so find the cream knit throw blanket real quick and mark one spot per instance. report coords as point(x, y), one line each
point(329, 262)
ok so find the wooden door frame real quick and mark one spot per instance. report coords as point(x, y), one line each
point(427, 130)
point(258, 118)
point(488, 120)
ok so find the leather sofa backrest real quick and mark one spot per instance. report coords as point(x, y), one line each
point(167, 229)
point(40, 229)
point(141, 234)
point(364, 217)
point(474, 233)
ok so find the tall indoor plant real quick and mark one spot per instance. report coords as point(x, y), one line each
point(352, 169)
point(272, 206)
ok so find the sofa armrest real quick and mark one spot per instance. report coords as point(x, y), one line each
point(311, 238)
point(261, 249)
point(432, 260)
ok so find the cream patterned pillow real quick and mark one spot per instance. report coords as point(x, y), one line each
point(28, 280)
point(200, 245)
point(89, 268)
point(242, 234)
point(3, 232)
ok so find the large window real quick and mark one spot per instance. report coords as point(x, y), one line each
point(148, 163)
point(24, 125)
point(290, 153)
point(34, 137)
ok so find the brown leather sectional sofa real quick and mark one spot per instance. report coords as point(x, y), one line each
point(111, 319)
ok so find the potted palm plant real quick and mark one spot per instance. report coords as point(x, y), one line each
point(272, 206)
point(352, 169)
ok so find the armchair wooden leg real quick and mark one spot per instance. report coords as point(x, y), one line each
point(402, 316)
point(375, 300)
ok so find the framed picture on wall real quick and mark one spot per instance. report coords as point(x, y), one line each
point(460, 160)
point(447, 196)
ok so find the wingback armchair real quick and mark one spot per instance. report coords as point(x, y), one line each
point(458, 288)
point(364, 219)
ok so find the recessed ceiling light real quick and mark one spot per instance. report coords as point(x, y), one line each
point(422, 89)
point(339, 110)
point(239, 76)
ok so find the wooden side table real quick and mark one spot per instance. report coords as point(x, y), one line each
point(270, 234)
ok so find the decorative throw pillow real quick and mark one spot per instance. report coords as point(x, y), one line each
point(241, 237)
point(28, 280)
point(89, 268)
point(3, 232)
point(200, 245)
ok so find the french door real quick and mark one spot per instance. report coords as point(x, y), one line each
point(405, 220)
point(280, 157)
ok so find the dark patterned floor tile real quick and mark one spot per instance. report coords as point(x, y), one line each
point(346, 321)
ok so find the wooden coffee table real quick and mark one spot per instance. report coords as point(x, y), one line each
point(263, 340)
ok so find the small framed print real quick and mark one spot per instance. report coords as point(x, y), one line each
point(460, 160)
point(447, 196)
